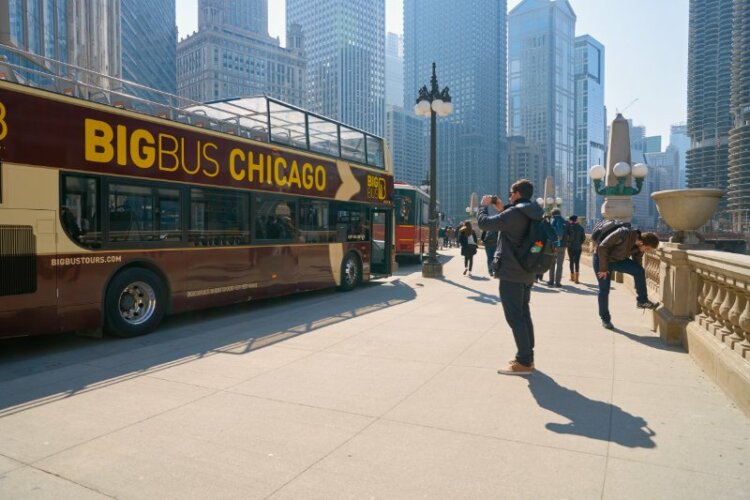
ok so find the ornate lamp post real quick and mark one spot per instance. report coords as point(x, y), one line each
point(431, 103)
point(549, 201)
point(614, 182)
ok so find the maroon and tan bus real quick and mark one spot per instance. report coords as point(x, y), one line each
point(412, 215)
point(111, 217)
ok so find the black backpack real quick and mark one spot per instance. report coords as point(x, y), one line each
point(537, 250)
point(605, 227)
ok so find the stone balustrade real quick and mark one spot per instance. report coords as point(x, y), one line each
point(705, 297)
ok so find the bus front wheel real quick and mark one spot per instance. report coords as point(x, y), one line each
point(351, 272)
point(135, 303)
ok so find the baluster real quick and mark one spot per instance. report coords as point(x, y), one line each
point(734, 318)
point(724, 308)
point(708, 305)
point(716, 308)
point(745, 325)
point(702, 298)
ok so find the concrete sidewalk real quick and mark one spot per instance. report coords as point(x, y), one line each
point(389, 391)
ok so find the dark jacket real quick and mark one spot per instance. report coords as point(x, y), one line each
point(618, 246)
point(561, 228)
point(576, 236)
point(513, 225)
point(489, 238)
point(463, 240)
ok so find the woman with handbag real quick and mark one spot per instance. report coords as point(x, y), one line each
point(468, 242)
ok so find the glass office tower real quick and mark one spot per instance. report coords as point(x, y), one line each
point(468, 43)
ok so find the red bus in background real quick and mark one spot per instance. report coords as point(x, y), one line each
point(412, 214)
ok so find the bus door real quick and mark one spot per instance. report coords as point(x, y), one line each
point(28, 276)
point(382, 241)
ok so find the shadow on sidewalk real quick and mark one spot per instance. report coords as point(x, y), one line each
point(649, 341)
point(478, 296)
point(589, 418)
point(38, 370)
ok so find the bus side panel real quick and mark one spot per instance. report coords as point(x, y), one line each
point(83, 278)
point(18, 319)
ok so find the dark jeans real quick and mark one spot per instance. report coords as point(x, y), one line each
point(555, 272)
point(468, 261)
point(574, 257)
point(490, 255)
point(515, 298)
point(628, 266)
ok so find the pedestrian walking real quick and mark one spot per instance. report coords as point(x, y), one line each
point(489, 238)
point(468, 241)
point(515, 282)
point(576, 237)
point(449, 234)
point(622, 250)
point(560, 226)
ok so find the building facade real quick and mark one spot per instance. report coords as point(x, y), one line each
point(468, 43)
point(149, 45)
point(407, 142)
point(525, 160)
point(739, 136)
point(663, 174)
point(220, 61)
point(394, 70)
point(679, 140)
point(84, 33)
point(541, 105)
point(709, 117)
point(590, 119)
point(345, 50)
point(247, 15)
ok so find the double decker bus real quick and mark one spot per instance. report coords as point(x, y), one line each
point(116, 213)
point(412, 215)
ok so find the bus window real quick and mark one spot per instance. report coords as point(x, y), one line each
point(375, 155)
point(141, 213)
point(351, 223)
point(352, 144)
point(275, 218)
point(314, 222)
point(404, 209)
point(78, 210)
point(219, 218)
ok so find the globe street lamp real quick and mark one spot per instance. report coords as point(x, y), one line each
point(549, 203)
point(614, 181)
point(431, 103)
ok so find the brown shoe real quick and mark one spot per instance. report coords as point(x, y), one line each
point(575, 277)
point(516, 368)
point(514, 361)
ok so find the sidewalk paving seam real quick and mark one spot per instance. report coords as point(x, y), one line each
point(54, 474)
point(378, 418)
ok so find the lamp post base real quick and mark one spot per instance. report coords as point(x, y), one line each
point(432, 269)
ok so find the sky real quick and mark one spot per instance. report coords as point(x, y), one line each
point(645, 43)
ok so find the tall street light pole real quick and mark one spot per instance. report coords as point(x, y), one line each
point(431, 103)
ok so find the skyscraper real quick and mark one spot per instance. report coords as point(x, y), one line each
point(679, 140)
point(589, 117)
point(84, 33)
point(541, 35)
point(345, 49)
point(739, 137)
point(407, 141)
point(468, 43)
point(221, 60)
point(149, 45)
point(709, 72)
point(394, 70)
point(247, 15)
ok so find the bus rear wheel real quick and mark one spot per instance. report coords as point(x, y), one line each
point(135, 303)
point(351, 272)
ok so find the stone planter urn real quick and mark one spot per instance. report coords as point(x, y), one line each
point(685, 210)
